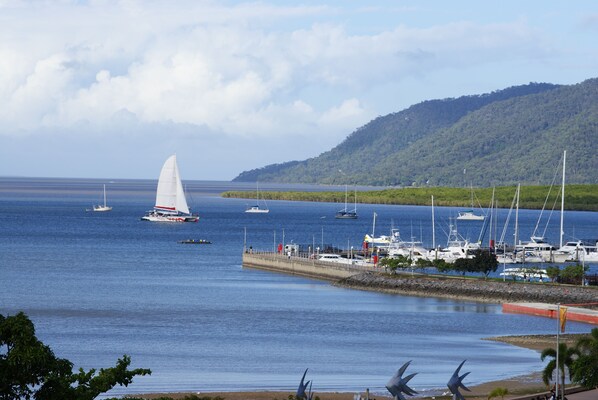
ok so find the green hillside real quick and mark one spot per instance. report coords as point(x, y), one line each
point(515, 135)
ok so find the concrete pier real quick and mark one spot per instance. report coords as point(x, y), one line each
point(550, 310)
point(309, 267)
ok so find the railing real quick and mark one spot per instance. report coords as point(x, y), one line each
point(311, 259)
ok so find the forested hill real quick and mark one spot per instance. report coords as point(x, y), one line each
point(515, 135)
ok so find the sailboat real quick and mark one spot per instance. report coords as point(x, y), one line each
point(345, 213)
point(256, 208)
point(469, 215)
point(104, 207)
point(171, 204)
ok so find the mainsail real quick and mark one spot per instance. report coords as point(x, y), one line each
point(170, 197)
point(171, 205)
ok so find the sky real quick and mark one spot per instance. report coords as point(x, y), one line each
point(110, 89)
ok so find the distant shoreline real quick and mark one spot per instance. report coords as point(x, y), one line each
point(577, 197)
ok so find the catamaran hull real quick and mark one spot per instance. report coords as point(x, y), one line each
point(170, 218)
point(345, 215)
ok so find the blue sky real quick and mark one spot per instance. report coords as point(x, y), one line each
point(109, 89)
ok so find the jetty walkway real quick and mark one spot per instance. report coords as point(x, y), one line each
point(305, 266)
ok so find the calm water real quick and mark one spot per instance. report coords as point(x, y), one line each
point(100, 285)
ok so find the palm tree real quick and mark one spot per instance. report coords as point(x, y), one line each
point(585, 368)
point(567, 356)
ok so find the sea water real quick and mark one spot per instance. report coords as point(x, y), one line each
point(100, 285)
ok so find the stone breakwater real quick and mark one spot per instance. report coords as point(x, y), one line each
point(471, 289)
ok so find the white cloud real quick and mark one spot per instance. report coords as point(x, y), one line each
point(184, 67)
point(247, 70)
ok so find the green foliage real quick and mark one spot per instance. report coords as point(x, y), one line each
point(393, 263)
point(482, 261)
point(442, 266)
point(30, 369)
point(577, 197)
point(573, 274)
point(498, 392)
point(585, 368)
point(516, 135)
point(553, 272)
point(24, 360)
point(422, 263)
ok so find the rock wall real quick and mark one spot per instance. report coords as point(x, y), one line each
point(471, 289)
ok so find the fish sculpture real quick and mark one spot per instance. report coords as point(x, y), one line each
point(456, 382)
point(302, 386)
point(397, 385)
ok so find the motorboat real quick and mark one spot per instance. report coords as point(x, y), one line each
point(456, 247)
point(413, 249)
point(469, 215)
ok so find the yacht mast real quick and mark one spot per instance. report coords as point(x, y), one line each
point(346, 194)
point(517, 216)
point(433, 228)
point(563, 197)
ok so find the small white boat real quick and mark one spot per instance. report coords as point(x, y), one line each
point(103, 207)
point(469, 215)
point(256, 209)
point(525, 273)
point(336, 258)
point(171, 204)
point(378, 241)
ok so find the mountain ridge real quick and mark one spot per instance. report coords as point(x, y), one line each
point(513, 135)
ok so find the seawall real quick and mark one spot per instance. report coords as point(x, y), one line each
point(373, 279)
point(472, 289)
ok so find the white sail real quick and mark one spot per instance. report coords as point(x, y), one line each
point(170, 196)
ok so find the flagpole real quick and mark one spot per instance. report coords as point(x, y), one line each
point(558, 329)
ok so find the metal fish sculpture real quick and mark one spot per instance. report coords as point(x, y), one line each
point(302, 386)
point(456, 382)
point(397, 385)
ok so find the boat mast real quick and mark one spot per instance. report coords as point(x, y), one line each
point(374, 226)
point(105, 200)
point(517, 216)
point(563, 197)
point(433, 227)
point(346, 195)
